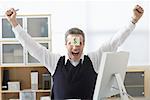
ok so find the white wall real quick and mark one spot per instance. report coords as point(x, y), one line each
point(106, 17)
point(99, 19)
point(65, 14)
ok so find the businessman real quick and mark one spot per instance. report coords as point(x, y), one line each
point(74, 74)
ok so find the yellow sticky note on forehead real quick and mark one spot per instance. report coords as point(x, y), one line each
point(75, 41)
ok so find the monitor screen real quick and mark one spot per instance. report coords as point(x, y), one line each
point(111, 63)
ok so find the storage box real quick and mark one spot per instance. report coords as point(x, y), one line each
point(13, 85)
point(27, 95)
point(46, 81)
point(34, 80)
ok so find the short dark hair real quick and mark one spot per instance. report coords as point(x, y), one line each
point(75, 31)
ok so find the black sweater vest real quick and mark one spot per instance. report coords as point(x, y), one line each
point(74, 82)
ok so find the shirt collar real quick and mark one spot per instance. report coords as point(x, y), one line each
point(67, 57)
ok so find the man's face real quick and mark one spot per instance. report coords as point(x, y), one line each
point(74, 45)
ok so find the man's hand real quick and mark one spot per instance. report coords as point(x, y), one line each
point(137, 13)
point(11, 17)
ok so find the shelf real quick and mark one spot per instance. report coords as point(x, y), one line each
point(43, 90)
point(130, 86)
point(7, 91)
point(20, 66)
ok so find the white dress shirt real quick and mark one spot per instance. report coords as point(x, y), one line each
point(49, 59)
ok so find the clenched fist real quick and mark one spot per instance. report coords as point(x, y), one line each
point(11, 17)
point(137, 13)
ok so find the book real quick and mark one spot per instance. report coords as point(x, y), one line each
point(34, 80)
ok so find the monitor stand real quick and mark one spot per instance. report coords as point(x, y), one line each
point(123, 93)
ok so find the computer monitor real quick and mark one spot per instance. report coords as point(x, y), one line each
point(111, 63)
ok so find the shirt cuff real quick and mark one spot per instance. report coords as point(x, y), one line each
point(131, 26)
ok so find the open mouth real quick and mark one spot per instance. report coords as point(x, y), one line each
point(75, 53)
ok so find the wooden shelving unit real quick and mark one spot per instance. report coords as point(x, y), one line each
point(17, 60)
point(22, 74)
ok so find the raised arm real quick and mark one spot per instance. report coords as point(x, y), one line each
point(38, 51)
point(122, 34)
point(118, 39)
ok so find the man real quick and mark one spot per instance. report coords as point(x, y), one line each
point(74, 75)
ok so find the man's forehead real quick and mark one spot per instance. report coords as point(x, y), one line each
point(69, 37)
